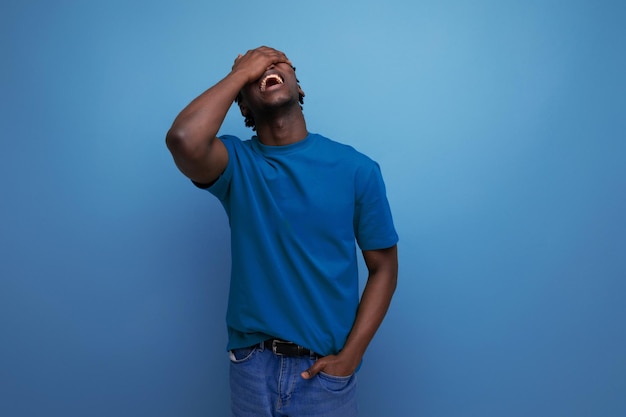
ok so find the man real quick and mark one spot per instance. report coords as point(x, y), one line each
point(296, 202)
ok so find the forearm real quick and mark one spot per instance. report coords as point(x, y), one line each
point(373, 307)
point(198, 123)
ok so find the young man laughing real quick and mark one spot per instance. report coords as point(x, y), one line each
point(298, 205)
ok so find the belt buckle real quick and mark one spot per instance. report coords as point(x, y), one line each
point(276, 343)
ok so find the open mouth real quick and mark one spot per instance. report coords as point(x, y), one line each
point(270, 80)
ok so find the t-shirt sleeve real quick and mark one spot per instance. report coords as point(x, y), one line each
point(373, 222)
point(221, 187)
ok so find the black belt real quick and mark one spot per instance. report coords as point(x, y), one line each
point(284, 348)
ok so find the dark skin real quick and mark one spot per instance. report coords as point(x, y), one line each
point(279, 120)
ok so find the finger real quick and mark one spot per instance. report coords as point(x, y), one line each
point(283, 60)
point(313, 370)
point(279, 56)
point(236, 60)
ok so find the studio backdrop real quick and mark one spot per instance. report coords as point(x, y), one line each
point(500, 130)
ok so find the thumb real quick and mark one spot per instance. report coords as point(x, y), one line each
point(313, 370)
point(237, 60)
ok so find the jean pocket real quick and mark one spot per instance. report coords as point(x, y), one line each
point(335, 383)
point(241, 355)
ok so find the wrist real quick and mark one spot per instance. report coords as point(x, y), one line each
point(240, 77)
point(350, 358)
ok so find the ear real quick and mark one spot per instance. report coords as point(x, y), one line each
point(244, 110)
point(301, 91)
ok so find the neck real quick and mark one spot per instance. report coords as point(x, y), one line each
point(283, 129)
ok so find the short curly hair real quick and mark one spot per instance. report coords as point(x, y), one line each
point(249, 120)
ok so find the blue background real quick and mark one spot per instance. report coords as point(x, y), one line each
point(500, 128)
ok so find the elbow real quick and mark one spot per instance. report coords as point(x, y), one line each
point(176, 139)
point(181, 143)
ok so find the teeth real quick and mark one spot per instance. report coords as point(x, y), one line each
point(270, 77)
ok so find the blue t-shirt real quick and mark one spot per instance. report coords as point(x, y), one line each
point(295, 213)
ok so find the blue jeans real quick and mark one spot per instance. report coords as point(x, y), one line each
point(263, 384)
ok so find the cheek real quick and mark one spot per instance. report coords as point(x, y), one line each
point(247, 93)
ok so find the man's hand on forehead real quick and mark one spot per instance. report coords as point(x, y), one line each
point(261, 59)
